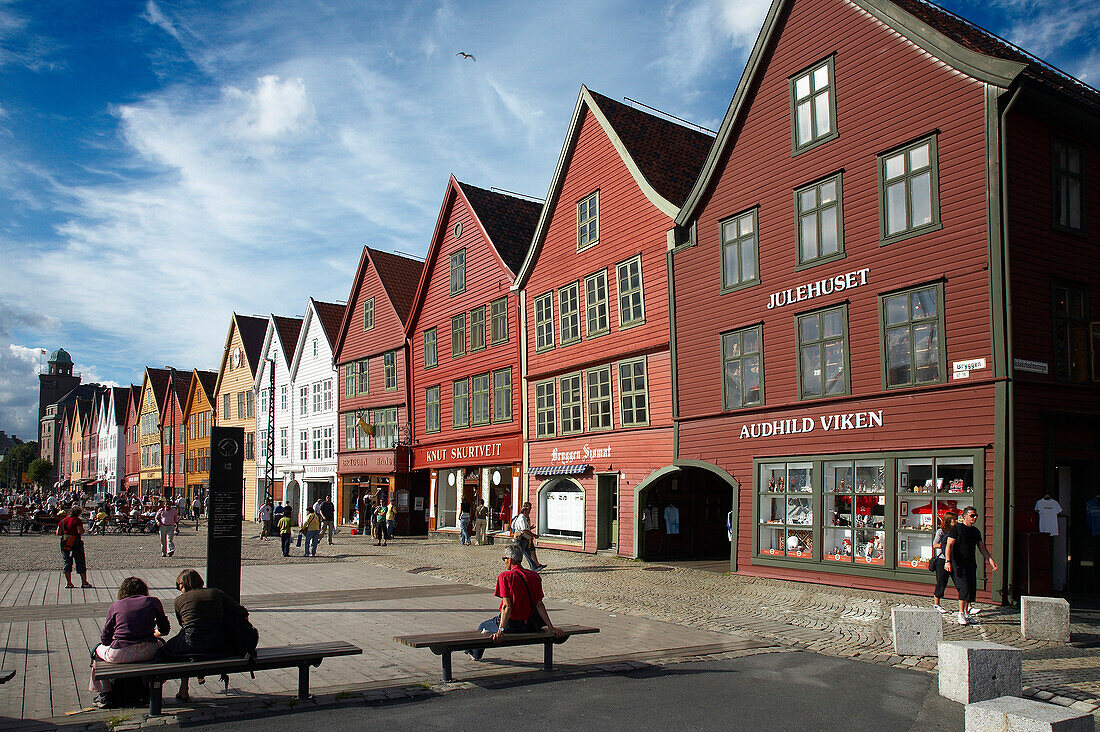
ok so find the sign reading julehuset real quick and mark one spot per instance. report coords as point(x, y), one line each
point(827, 286)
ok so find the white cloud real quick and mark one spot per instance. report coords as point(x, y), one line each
point(704, 31)
point(19, 366)
point(155, 16)
point(273, 108)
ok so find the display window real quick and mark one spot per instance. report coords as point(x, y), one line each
point(866, 511)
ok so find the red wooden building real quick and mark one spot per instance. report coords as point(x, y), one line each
point(597, 359)
point(132, 481)
point(884, 278)
point(174, 433)
point(372, 361)
point(464, 336)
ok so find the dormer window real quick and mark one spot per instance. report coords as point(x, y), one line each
point(813, 106)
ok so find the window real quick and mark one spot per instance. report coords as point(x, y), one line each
point(909, 185)
point(1067, 186)
point(351, 379)
point(477, 328)
point(317, 443)
point(326, 389)
point(1071, 333)
point(328, 442)
point(390, 371)
point(571, 417)
point(368, 314)
point(633, 400)
point(355, 437)
point(317, 399)
point(820, 223)
point(460, 403)
point(739, 247)
point(545, 409)
point(431, 356)
point(263, 401)
point(303, 445)
point(240, 405)
point(544, 322)
point(283, 397)
point(303, 400)
point(250, 404)
point(363, 376)
point(458, 336)
point(431, 409)
point(813, 106)
point(458, 272)
point(912, 325)
point(631, 304)
point(284, 440)
point(315, 348)
point(786, 510)
point(822, 354)
point(588, 221)
point(250, 446)
point(742, 368)
point(502, 395)
point(385, 428)
point(479, 398)
point(599, 399)
point(569, 314)
point(498, 317)
point(595, 303)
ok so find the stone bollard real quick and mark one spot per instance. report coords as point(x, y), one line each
point(1044, 618)
point(973, 671)
point(1007, 713)
point(917, 631)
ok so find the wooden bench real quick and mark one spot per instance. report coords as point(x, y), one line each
point(155, 674)
point(444, 644)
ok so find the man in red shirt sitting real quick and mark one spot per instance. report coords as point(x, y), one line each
point(521, 606)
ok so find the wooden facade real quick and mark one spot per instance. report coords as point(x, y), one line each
point(197, 419)
point(842, 416)
point(173, 432)
point(154, 389)
point(132, 481)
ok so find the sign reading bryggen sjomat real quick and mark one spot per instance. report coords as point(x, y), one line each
point(803, 425)
point(827, 286)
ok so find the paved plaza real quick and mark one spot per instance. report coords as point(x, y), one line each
point(648, 614)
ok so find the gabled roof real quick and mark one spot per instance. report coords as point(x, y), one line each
point(119, 395)
point(208, 379)
point(508, 220)
point(399, 277)
point(331, 315)
point(135, 398)
point(252, 332)
point(158, 379)
point(952, 39)
point(662, 156)
point(201, 381)
point(288, 329)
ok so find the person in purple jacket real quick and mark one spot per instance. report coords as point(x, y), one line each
point(132, 633)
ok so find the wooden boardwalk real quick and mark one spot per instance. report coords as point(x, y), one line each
point(48, 631)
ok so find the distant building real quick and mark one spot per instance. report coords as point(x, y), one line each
point(56, 381)
point(7, 442)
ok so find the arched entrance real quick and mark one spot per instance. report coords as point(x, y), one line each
point(292, 496)
point(682, 511)
point(561, 510)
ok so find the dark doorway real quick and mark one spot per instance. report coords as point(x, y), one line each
point(684, 517)
point(607, 511)
point(1076, 483)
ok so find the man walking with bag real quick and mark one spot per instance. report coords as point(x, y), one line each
point(328, 518)
point(167, 518)
point(525, 537)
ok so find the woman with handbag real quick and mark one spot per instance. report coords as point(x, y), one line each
point(939, 543)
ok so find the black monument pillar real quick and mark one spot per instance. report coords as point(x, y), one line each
point(223, 537)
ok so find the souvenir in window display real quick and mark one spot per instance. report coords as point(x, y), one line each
point(929, 487)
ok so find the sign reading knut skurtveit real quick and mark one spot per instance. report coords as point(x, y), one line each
point(223, 535)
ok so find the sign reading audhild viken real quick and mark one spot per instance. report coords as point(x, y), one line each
point(803, 425)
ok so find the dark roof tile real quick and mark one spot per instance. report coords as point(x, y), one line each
point(510, 222)
point(400, 276)
point(289, 329)
point(252, 330)
point(331, 315)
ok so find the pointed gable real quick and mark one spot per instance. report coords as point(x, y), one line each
point(331, 315)
point(390, 281)
point(508, 220)
point(119, 395)
point(288, 330)
point(252, 331)
point(399, 276)
point(158, 379)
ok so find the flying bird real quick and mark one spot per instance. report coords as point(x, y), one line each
point(464, 55)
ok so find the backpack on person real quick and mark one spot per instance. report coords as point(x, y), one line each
point(240, 634)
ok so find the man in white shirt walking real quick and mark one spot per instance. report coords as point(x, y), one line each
point(167, 518)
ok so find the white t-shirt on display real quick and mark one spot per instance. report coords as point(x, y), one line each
point(1048, 510)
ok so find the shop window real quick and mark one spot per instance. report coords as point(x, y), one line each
point(1067, 186)
point(460, 403)
point(561, 510)
point(544, 322)
point(498, 321)
point(631, 302)
point(813, 106)
point(912, 322)
point(458, 335)
point(458, 272)
point(477, 329)
point(742, 368)
point(431, 357)
point(368, 314)
point(479, 398)
point(595, 303)
point(572, 421)
point(909, 191)
point(599, 399)
point(588, 221)
point(569, 314)
point(820, 222)
point(785, 511)
point(929, 487)
point(502, 395)
point(739, 251)
point(633, 394)
point(855, 512)
point(431, 409)
point(390, 370)
point(545, 410)
point(822, 353)
point(1071, 333)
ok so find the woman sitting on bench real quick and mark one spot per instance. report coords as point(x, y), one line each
point(131, 634)
point(201, 613)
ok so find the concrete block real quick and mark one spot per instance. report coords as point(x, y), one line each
point(1044, 618)
point(1013, 714)
point(917, 631)
point(973, 671)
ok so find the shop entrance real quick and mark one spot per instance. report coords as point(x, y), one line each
point(683, 516)
point(1077, 546)
point(607, 512)
point(293, 496)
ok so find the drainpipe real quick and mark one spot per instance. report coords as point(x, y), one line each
point(1010, 410)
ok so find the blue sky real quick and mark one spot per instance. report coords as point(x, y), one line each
point(163, 164)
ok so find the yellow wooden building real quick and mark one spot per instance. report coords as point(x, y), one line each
point(198, 418)
point(154, 388)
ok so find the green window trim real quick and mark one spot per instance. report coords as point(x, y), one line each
point(1067, 186)
point(597, 317)
point(432, 409)
point(601, 415)
point(480, 391)
point(460, 403)
point(498, 321)
point(502, 395)
point(828, 333)
point(631, 295)
point(546, 409)
point(368, 314)
point(544, 322)
point(633, 397)
point(431, 348)
point(571, 404)
point(909, 176)
point(458, 272)
point(364, 376)
point(914, 321)
point(813, 106)
point(739, 249)
point(458, 335)
point(588, 221)
point(743, 348)
point(477, 329)
point(819, 214)
point(389, 361)
point(569, 314)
